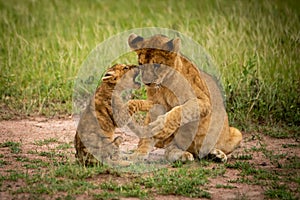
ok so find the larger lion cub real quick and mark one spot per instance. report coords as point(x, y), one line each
point(182, 114)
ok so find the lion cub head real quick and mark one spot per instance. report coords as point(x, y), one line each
point(126, 74)
point(157, 55)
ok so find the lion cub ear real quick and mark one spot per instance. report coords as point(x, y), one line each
point(174, 45)
point(134, 41)
point(108, 75)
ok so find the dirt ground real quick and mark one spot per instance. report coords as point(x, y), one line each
point(29, 131)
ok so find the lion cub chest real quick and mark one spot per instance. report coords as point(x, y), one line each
point(162, 96)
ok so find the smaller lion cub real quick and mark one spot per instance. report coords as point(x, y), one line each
point(94, 139)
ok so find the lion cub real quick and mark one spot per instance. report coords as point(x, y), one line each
point(192, 124)
point(94, 140)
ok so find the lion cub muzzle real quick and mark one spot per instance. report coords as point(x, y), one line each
point(148, 73)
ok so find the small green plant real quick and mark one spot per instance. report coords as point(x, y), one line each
point(225, 186)
point(291, 145)
point(15, 175)
point(293, 162)
point(15, 147)
point(76, 171)
point(280, 132)
point(22, 159)
point(177, 164)
point(245, 180)
point(242, 157)
point(244, 166)
point(3, 163)
point(49, 185)
point(51, 154)
point(126, 190)
point(35, 164)
point(45, 141)
point(30, 166)
point(106, 195)
point(180, 182)
point(64, 146)
point(32, 152)
point(279, 191)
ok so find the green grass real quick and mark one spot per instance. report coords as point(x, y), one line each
point(15, 147)
point(254, 43)
point(182, 182)
point(125, 190)
point(3, 163)
point(274, 180)
point(280, 192)
point(45, 141)
point(51, 174)
point(65, 146)
point(225, 186)
point(69, 178)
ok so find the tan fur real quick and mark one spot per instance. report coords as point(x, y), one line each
point(154, 53)
point(99, 121)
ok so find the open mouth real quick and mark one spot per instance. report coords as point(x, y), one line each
point(153, 85)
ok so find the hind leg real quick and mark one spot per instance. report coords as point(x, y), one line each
point(234, 139)
point(178, 149)
point(229, 140)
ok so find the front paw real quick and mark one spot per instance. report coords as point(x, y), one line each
point(156, 127)
point(179, 155)
point(187, 156)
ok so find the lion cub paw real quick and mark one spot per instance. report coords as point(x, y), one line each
point(187, 156)
point(179, 155)
point(217, 155)
point(137, 157)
